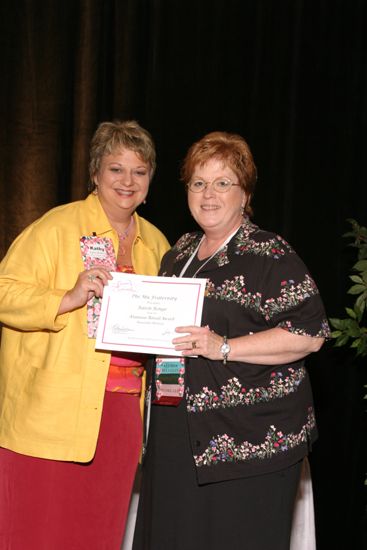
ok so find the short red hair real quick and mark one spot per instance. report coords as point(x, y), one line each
point(235, 153)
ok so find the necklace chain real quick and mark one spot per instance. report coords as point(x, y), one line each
point(123, 235)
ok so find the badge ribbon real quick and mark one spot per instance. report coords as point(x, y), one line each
point(169, 380)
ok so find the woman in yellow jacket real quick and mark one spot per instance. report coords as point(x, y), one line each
point(70, 426)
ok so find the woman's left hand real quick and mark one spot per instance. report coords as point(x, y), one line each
point(198, 341)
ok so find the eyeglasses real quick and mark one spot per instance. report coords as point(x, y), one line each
point(222, 185)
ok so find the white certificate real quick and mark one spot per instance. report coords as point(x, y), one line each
point(139, 313)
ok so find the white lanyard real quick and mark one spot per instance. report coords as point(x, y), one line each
point(184, 269)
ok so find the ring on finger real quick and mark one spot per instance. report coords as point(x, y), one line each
point(193, 344)
point(92, 278)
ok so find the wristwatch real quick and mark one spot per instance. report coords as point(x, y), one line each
point(225, 350)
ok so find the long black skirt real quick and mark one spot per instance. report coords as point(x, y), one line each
point(175, 513)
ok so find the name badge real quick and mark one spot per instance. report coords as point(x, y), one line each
point(96, 252)
point(169, 380)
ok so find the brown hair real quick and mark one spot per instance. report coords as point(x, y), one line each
point(110, 136)
point(233, 150)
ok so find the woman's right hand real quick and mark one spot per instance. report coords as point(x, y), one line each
point(88, 284)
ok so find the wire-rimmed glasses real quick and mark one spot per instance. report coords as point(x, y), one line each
point(222, 185)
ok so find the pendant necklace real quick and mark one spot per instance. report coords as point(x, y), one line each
point(123, 235)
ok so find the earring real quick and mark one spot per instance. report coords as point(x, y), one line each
point(144, 201)
point(95, 190)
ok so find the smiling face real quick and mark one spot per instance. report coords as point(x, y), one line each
point(122, 182)
point(218, 214)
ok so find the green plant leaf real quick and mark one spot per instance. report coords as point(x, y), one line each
point(337, 323)
point(360, 305)
point(354, 330)
point(342, 340)
point(356, 289)
point(355, 333)
point(361, 265)
point(351, 312)
point(356, 279)
point(355, 343)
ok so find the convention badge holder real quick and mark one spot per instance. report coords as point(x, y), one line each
point(96, 252)
point(169, 380)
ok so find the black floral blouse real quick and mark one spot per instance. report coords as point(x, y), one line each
point(247, 419)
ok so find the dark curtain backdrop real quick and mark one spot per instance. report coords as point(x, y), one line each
point(289, 76)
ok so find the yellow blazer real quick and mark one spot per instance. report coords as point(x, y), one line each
point(52, 381)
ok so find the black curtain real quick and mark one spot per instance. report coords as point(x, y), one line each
point(289, 76)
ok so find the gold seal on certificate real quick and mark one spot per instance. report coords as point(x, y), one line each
point(139, 313)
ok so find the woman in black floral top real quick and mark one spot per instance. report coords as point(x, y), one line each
point(222, 467)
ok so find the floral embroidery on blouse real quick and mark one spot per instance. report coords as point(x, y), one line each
point(234, 291)
point(221, 256)
point(274, 247)
point(223, 448)
point(186, 245)
point(290, 296)
point(324, 331)
point(234, 394)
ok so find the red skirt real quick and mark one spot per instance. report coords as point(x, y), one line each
point(50, 504)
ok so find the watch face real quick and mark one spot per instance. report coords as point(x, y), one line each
point(225, 349)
